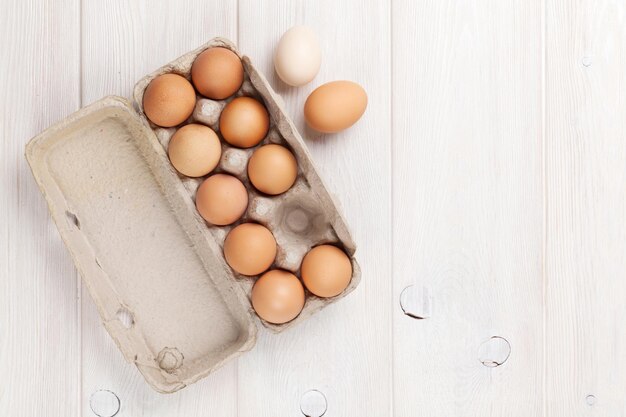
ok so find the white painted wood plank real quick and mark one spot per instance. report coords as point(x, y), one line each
point(586, 209)
point(467, 172)
point(123, 41)
point(39, 307)
point(345, 350)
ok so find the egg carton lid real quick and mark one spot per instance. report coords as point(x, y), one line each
point(169, 302)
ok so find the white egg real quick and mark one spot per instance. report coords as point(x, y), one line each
point(298, 56)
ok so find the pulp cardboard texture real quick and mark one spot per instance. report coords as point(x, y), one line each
point(130, 223)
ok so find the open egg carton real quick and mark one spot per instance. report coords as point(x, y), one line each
point(303, 217)
point(154, 268)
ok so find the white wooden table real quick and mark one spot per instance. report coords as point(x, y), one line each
point(489, 172)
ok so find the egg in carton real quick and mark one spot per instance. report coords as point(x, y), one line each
point(303, 217)
point(153, 267)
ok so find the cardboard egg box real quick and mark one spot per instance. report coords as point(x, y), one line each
point(154, 268)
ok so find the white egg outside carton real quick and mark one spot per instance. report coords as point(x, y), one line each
point(298, 56)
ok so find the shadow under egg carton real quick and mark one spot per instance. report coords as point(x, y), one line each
point(301, 218)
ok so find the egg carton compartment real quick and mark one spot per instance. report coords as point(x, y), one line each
point(303, 217)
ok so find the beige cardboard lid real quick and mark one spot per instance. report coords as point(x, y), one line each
point(140, 245)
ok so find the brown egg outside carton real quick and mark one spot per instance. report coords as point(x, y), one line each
point(335, 106)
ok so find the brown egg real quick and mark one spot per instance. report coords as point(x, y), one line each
point(335, 106)
point(217, 73)
point(244, 122)
point(221, 199)
point(194, 150)
point(250, 248)
point(272, 169)
point(326, 271)
point(169, 100)
point(278, 296)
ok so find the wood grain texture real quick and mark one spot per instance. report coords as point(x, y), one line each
point(121, 42)
point(586, 209)
point(468, 205)
point(345, 350)
point(39, 309)
point(445, 181)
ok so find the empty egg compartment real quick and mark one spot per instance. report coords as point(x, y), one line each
point(303, 217)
